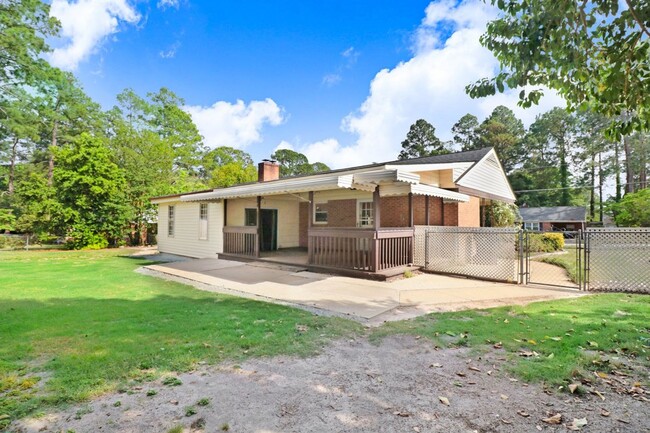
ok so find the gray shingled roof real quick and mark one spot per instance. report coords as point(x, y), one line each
point(553, 214)
point(468, 156)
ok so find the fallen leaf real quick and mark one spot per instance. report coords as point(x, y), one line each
point(416, 429)
point(401, 413)
point(533, 342)
point(528, 353)
point(523, 413)
point(474, 368)
point(577, 424)
point(601, 375)
point(461, 374)
point(444, 400)
point(498, 345)
point(604, 413)
point(551, 356)
point(504, 397)
point(435, 365)
point(592, 343)
point(556, 338)
point(489, 372)
point(506, 321)
point(505, 421)
point(538, 427)
point(622, 420)
point(573, 387)
point(602, 397)
point(555, 419)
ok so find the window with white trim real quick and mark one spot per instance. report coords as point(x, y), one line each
point(170, 220)
point(203, 221)
point(365, 214)
point(320, 213)
point(535, 226)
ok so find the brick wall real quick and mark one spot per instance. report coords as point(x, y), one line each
point(303, 221)
point(469, 214)
point(395, 211)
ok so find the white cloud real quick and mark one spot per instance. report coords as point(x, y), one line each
point(283, 145)
point(164, 4)
point(332, 79)
point(236, 125)
point(170, 53)
point(85, 24)
point(431, 85)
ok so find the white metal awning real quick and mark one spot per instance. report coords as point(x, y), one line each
point(391, 182)
point(422, 189)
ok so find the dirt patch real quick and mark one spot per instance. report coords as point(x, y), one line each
point(402, 384)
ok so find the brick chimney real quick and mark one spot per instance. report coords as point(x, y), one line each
point(268, 170)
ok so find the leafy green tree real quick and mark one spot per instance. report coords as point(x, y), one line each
point(158, 147)
point(501, 214)
point(421, 141)
point(227, 166)
point(90, 188)
point(294, 163)
point(594, 53)
point(19, 128)
point(556, 131)
point(503, 131)
point(466, 132)
point(633, 210)
point(65, 111)
point(24, 27)
point(36, 206)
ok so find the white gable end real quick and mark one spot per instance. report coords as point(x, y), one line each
point(488, 176)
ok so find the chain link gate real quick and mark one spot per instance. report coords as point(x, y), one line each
point(607, 259)
point(550, 268)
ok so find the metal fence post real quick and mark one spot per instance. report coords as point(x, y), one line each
point(521, 257)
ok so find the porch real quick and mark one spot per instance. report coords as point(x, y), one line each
point(338, 234)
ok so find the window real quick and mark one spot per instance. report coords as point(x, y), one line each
point(535, 226)
point(250, 217)
point(170, 221)
point(365, 213)
point(320, 213)
point(203, 221)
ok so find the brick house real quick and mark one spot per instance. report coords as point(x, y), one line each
point(554, 218)
point(358, 219)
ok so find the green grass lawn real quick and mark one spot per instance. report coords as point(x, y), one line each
point(568, 337)
point(90, 325)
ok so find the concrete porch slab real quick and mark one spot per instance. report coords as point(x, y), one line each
point(371, 302)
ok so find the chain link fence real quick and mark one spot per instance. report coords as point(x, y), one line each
point(486, 253)
point(617, 259)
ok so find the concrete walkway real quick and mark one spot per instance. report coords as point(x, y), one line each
point(367, 301)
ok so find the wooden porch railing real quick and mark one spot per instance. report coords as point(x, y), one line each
point(360, 249)
point(242, 241)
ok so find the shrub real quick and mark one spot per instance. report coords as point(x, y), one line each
point(555, 240)
point(11, 242)
point(545, 242)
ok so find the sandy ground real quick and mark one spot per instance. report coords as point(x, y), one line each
point(399, 385)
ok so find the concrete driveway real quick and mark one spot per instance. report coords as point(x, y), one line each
point(367, 301)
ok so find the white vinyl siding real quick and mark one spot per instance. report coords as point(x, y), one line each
point(288, 215)
point(487, 176)
point(185, 241)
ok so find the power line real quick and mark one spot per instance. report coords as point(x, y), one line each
point(573, 187)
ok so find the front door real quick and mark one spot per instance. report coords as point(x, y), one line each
point(269, 230)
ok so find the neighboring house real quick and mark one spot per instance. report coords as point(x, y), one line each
point(556, 218)
point(355, 219)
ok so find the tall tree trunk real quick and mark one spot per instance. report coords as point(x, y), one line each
point(50, 168)
point(601, 180)
point(629, 171)
point(564, 176)
point(617, 171)
point(592, 195)
point(12, 166)
point(643, 161)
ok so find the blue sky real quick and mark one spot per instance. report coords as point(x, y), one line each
point(340, 81)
